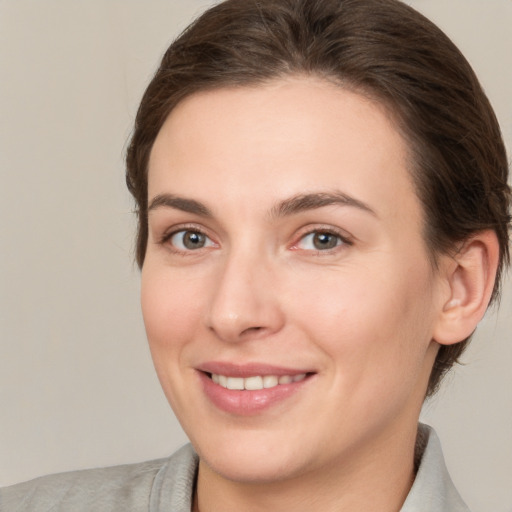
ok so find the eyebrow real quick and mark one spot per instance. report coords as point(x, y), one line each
point(293, 205)
point(304, 202)
point(179, 203)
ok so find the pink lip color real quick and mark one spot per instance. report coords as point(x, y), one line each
point(247, 403)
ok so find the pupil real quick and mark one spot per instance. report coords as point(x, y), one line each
point(324, 241)
point(193, 240)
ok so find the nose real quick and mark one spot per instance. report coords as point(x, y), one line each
point(245, 304)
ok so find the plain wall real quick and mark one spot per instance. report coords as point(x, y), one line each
point(77, 387)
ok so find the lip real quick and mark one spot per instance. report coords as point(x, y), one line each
point(249, 402)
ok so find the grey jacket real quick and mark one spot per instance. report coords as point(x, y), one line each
point(167, 485)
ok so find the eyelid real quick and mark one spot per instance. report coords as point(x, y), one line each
point(346, 239)
point(170, 232)
point(187, 226)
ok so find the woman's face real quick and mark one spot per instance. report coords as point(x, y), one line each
point(285, 257)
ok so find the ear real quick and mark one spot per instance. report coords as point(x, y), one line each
point(470, 276)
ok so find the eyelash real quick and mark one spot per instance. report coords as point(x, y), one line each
point(167, 237)
point(342, 240)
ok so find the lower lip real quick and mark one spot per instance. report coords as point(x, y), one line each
point(246, 402)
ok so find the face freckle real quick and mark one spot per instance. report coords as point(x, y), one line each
point(316, 267)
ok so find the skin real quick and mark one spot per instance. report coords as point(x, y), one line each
point(361, 316)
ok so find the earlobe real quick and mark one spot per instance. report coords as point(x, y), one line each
point(470, 277)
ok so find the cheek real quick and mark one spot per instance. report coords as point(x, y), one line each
point(170, 308)
point(374, 323)
point(332, 303)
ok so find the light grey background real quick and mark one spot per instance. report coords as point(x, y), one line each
point(77, 387)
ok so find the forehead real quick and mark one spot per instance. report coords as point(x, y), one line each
point(282, 138)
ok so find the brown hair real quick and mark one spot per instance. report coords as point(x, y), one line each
point(381, 48)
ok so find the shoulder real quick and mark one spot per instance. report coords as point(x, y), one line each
point(105, 488)
point(433, 489)
point(112, 489)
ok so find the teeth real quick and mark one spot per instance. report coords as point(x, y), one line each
point(269, 381)
point(235, 383)
point(255, 383)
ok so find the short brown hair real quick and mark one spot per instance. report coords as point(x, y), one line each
point(381, 48)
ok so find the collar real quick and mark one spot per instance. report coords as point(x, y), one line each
point(433, 489)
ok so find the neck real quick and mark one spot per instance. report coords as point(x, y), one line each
point(376, 478)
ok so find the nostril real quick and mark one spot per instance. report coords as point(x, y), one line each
point(253, 329)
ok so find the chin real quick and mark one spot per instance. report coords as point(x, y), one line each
point(257, 469)
point(255, 459)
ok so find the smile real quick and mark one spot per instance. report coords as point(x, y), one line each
point(256, 382)
point(250, 389)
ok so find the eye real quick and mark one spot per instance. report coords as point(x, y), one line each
point(320, 241)
point(189, 240)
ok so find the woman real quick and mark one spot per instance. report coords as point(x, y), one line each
point(323, 221)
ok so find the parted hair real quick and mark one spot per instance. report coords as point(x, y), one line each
point(383, 49)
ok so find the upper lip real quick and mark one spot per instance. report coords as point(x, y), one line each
point(248, 369)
